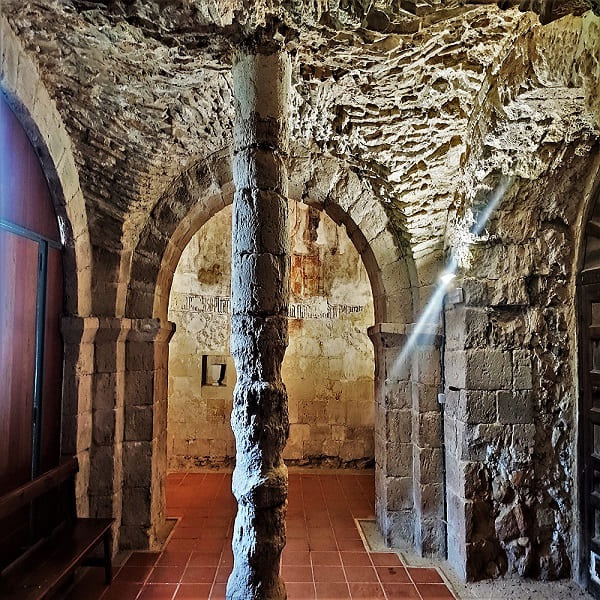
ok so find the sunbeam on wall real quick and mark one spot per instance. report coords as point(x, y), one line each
point(459, 257)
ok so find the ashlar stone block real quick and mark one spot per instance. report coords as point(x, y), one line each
point(479, 369)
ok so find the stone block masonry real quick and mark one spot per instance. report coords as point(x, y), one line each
point(259, 299)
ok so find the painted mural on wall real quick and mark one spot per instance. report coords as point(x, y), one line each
point(329, 363)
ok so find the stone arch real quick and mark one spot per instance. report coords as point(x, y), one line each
point(510, 323)
point(329, 185)
point(173, 222)
point(21, 84)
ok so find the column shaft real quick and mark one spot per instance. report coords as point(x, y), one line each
point(259, 290)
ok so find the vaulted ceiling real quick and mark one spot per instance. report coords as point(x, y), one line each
point(395, 89)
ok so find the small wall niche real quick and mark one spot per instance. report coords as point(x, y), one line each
point(214, 370)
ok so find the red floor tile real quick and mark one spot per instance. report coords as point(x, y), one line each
point(332, 591)
point(190, 533)
point(299, 558)
point(434, 591)
point(218, 591)
point(158, 591)
point(421, 575)
point(328, 558)
point(361, 575)
point(132, 574)
point(346, 533)
point(193, 591)
point(401, 591)
point(169, 574)
point(393, 575)
point(322, 544)
point(210, 545)
point(372, 591)
point(199, 575)
point(325, 573)
point(122, 591)
point(385, 559)
point(223, 573)
point(297, 574)
point(172, 558)
point(142, 559)
point(351, 545)
point(356, 559)
point(226, 556)
point(300, 591)
point(204, 559)
point(297, 545)
point(182, 545)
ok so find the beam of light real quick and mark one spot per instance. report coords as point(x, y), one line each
point(427, 322)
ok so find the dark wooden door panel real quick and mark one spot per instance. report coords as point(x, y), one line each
point(24, 195)
point(30, 272)
point(18, 292)
point(53, 363)
point(589, 361)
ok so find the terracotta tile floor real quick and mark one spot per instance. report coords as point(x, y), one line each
point(324, 558)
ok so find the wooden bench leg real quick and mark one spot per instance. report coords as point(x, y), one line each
point(108, 557)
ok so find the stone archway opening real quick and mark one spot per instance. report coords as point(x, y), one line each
point(329, 365)
point(189, 203)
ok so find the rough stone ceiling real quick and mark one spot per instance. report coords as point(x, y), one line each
point(145, 91)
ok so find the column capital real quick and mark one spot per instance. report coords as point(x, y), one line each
point(425, 334)
point(78, 330)
point(150, 330)
point(388, 335)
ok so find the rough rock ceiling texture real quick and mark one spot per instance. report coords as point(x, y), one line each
point(145, 91)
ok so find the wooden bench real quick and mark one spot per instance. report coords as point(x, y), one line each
point(52, 556)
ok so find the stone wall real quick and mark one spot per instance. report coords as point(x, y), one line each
point(511, 402)
point(329, 363)
point(511, 351)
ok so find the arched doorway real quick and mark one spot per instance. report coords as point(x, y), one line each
point(328, 367)
point(197, 195)
point(31, 303)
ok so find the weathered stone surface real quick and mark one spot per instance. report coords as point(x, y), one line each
point(259, 300)
point(426, 115)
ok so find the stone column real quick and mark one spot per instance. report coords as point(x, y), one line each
point(143, 523)
point(428, 478)
point(78, 334)
point(259, 336)
point(394, 507)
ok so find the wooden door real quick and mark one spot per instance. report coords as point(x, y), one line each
point(31, 357)
point(18, 294)
point(590, 431)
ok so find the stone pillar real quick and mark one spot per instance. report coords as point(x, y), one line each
point(428, 478)
point(259, 336)
point(106, 453)
point(408, 454)
point(78, 336)
point(394, 506)
point(114, 421)
point(145, 434)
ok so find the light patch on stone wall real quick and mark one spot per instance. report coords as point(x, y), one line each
point(329, 364)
